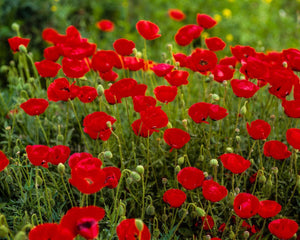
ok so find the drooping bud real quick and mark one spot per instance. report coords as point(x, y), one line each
point(150, 210)
point(3, 231)
point(180, 160)
point(61, 168)
point(21, 236)
point(38, 180)
point(177, 169)
point(22, 49)
point(200, 212)
point(108, 124)
point(129, 180)
point(108, 155)
point(135, 176)
point(100, 90)
point(262, 179)
point(140, 169)
point(15, 27)
point(214, 162)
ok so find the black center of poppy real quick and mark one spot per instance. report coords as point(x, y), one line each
point(203, 62)
point(85, 225)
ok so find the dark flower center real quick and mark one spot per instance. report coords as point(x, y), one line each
point(203, 62)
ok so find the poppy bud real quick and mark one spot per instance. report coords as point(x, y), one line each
point(9, 178)
point(201, 158)
point(108, 154)
point(156, 233)
point(298, 183)
point(238, 138)
point(231, 197)
point(100, 90)
point(229, 149)
point(164, 181)
point(135, 176)
point(102, 200)
point(129, 180)
point(246, 235)
point(177, 169)
point(140, 169)
point(121, 210)
point(59, 139)
point(12, 63)
point(180, 160)
point(150, 210)
point(16, 149)
point(169, 125)
point(164, 217)
point(262, 179)
point(170, 47)
point(284, 64)
point(4, 68)
point(207, 237)
point(61, 168)
point(20, 236)
point(269, 184)
point(183, 212)
point(215, 97)
point(138, 54)
point(231, 234)
point(38, 180)
point(3, 231)
point(200, 212)
point(122, 218)
point(108, 124)
point(205, 174)
point(214, 162)
point(22, 49)
point(272, 117)
point(15, 27)
point(184, 122)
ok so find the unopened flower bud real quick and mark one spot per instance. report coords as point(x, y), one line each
point(138, 54)
point(135, 176)
point(183, 212)
point(108, 155)
point(134, 51)
point(229, 150)
point(170, 47)
point(108, 124)
point(15, 27)
point(140, 169)
point(205, 174)
point(129, 180)
point(215, 97)
point(39, 180)
point(214, 162)
point(262, 179)
point(164, 181)
point(150, 210)
point(224, 83)
point(22, 49)
point(207, 237)
point(156, 233)
point(201, 158)
point(184, 122)
point(20, 236)
point(100, 90)
point(121, 211)
point(164, 217)
point(3, 231)
point(200, 212)
point(169, 125)
point(238, 138)
point(61, 168)
point(237, 190)
point(59, 139)
point(231, 234)
point(269, 184)
point(180, 160)
point(246, 235)
point(272, 117)
point(177, 169)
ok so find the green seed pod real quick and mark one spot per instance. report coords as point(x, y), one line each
point(21, 236)
point(150, 210)
point(246, 235)
point(61, 168)
point(139, 224)
point(140, 169)
point(135, 176)
point(214, 162)
point(200, 212)
point(180, 160)
point(3, 231)
point(100, 90)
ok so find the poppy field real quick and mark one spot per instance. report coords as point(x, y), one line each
point(117, 143)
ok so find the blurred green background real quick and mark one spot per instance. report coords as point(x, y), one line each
point(263, 24)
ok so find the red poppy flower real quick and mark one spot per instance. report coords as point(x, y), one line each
point(139, 90)
point(51, 231)
point(230, 61)
point(128, 230)
point(140, 129)
point(202, 60)
point(165, 94)
point(123, 46)
point(123, 88)
point(95, 125)
point(177, 78)
point(283, 228)
point(87, 176)
point(216, 112)
point(291, 108)
point(38, 155)
point(222, 73)
point(105, 25)
point(259, 129)
point(154, 117)
point(245, 205)
point(255, 68)
point(162, 69)
point(215, 44)
point(87, 94)
point(148, 30)
point(109, 76)
point(77, 157)
point(80, 51)
point(205, 21)
point(52, 53)
point(293, 137)
point(207, 222)
point(276, 150)
point(292, 56)
point(105, 60)
point(59, 154)
point(242, 52)
point(83, 221)
point(181, 58)
point(113, 175)
point(268, 208)
point(47, 68)
point(52, 36)
point(199, 112)
point(15, 43)
point(74, 68)
point(61, 90)
point(243, 88)
point(140, 103)
point(176, 138)
point(110, 97)
point(234, 162)
point(253, 178)
point(213, 191)
point(190, 178)
point(35, 106)
point(3, 161)
point(174, 197)
point(176, 14)
point(133, 63)
point(186, 34)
